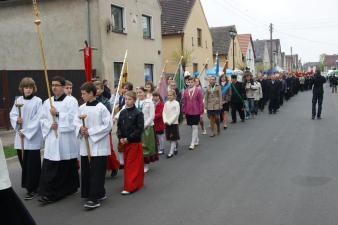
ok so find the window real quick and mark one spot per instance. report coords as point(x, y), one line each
point(117, 18)
point(195, 67)
point(148, 72)
point(146, 26)
point(117, 72)
point(199, 37)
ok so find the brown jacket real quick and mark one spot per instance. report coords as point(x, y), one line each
point(213, 100)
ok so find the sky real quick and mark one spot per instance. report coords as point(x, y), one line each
point(293, 22)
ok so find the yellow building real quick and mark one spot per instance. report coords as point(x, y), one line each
point(184, 25)
point(223, 44)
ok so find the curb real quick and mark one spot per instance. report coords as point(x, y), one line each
point(16, 159)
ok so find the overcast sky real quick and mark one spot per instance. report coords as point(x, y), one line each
point(314, 20)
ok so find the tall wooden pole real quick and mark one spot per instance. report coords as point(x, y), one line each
point(36, 13)
point(205, 64)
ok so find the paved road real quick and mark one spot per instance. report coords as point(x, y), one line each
point(274, 169)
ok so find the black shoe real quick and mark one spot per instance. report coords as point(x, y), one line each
point(274, 112)
point(224, 128)
point(313, 117)
point(176, 151)
point(319, 118)
point(121, 167)
point(47, 200)
point(243, 120)
point(114, 173)
point(232, 122)
point(31, 195)
point(270, 112)
point(169, 156)
point(92, 205)
point(72, 193)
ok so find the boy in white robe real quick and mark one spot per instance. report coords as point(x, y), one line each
point(98, 125)
point(59, 176)
point(31, 135)
point(12, 210)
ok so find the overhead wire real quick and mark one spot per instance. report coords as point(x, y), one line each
point(260, 26)
point(236, 14)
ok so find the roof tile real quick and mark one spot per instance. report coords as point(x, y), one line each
point(175, 14)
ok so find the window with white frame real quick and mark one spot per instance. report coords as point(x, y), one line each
point(148, 72)
point(146, 26)
point(117, 14)
point(117, 72)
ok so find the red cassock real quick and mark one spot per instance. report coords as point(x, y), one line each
point(112, 162)
point(133, 166)
point(88, 62)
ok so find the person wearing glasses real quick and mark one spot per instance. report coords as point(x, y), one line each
point(59, 176)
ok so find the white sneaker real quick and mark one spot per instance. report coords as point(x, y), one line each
point(196, 143)
point(204, 131)
point(125, 192)
point(191, 147)
point(246, 118)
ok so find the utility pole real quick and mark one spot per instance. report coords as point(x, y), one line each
point(291, 60)
point(271, 28)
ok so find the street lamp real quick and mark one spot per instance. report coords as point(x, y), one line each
point(233, 34)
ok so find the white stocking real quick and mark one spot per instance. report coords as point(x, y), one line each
point(121, 158)
point(172, 147)
point(194, 134)
point(161, 141)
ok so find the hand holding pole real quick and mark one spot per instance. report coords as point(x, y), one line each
point(82, 117)
point(22, 138)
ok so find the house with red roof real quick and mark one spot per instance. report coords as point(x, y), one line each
point(248, 51)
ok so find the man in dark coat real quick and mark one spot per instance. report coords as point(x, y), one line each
point(262, 101)
point(237, 99)
point(317, 81)
point(106, 93)
point(273, 90)
point(289, 86)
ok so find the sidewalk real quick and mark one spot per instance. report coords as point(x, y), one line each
point(7, 137)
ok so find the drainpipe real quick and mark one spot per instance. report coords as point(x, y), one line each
point(88, 24)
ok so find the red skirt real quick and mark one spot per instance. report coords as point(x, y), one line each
point(112, 162)
point(133, 166)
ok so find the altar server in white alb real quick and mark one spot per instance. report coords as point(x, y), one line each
point(98, 125)
point(12, 210)
point(30, 108)
point(59, 176)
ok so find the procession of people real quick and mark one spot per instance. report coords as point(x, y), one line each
point(144, 118)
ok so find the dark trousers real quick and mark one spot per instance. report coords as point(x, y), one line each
point(58, 178)
point(237, 107)
point(281, 98)
point(93, 177)
point(273, 104)
point(256, 106)
point(301, 87)
point(316, 98)
point(31, 169)
point(261, 104)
